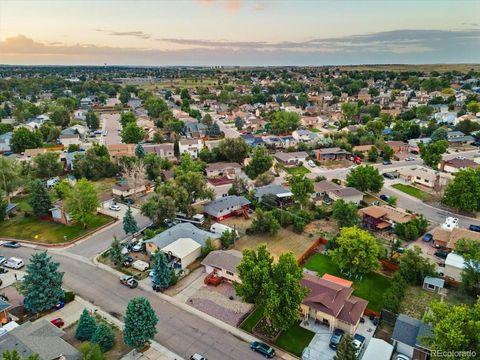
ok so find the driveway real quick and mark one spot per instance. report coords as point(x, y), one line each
point(119, 214)
point(111, 124)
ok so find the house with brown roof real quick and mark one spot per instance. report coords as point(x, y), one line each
point(455, 165)
point(398, 146)
point(124, 189)
point(362, 149)
point(116, 151)
point(223, 170)
point(424, 176)
point(382, 217)
point(331, 154)
point(449, 238)
point(330, 301)
point(327, 189)
point(291, 158)
point(165, 150)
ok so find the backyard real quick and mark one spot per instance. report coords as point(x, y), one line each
point(371, 287)
point(297, 170)
point(413, 191)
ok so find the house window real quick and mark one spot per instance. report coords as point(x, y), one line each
point(418, 178)
point(431, 287)
point(427, 181)
point(230, 273)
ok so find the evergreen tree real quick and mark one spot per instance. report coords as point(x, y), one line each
point(115, 253)
point(38, 198)
point(346, 349)
point(162, 274)
point(129, 223)
point(214, 131)
point(86, 326)
point(42, 284)
point(3, 210)
point(176, 148)
point(139, 151)
point(104, 337)
point(92, 120)
point(140, 323)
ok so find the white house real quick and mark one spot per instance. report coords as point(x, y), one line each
point(454, 265)
point(190, 146)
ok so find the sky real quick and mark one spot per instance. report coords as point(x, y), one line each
point(236, 32)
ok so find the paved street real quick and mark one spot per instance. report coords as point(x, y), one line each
point(111, 124)
point(178, 330)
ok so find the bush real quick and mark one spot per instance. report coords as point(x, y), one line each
point(68, 296)
point(284, 218)
point(298, 225)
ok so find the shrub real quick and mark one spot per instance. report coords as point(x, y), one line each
point(68, 296)
point(298, 225)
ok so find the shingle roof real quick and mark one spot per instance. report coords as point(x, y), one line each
point(216, 206)
point(222, 259)
point(183, 230)
point(409, 331)
point(273, 189)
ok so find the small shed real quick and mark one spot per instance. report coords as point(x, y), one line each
point(433, 283)
point(185, 250)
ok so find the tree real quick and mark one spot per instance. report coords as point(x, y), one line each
point(9, 176)
point(357, 251)
point(392, 298)
point(365, 178)
point(91, 351)
point(473, 107)
point(207, 120)
point(412, 229)
point(239, 123)
point(60, 116)
point(431, 153)
point(49, 132)
point(264, 223)
point(82, 201)
point(162, 273)
point(214, 131)
point(372, 155)
point(423, 112)
point(264, 179)
point(42, 284)
point(392, 201)
point(414, 267)
point(127, 117)
point(233, 149)
point(104, 337)
point(227, 238)
point(86, 326)
point(129, 223)
point(94, 164)
point(14, 355)
point(345, 213)
point(455, 328)
point(439, 134)
point(261, 162)
point(139, 151)
point(387, 152)
point(470, 250)
point(254, 270)
point(346, 349)
point(239, 186)
point(284, 293)
point(463, 192)
point(92, 120)
point(115, 254)
point(284, 122)
point(301, 188)
point(155, 106)
point(140, 323)
point(158, 208)
point(23, 139)
point(3, 210)
point(124, 96)
point(350, 110)
point(47, 165)
point(132, 134)
point(193, 185)
point(38, 198)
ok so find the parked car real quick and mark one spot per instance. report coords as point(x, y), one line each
point(128, 261)
point(409, 158)
point(58, 322)
point(12, 244)
point(336, 338)
point(129, 281)
point(114, 207)
point(387, 162)
point(197, 357)
point(474, 228)
point(389, 176)
point(138, 246)
point(140, 265)
point(129, 201)
point(2, 259)
point(427, 237)
point(263, 349)
point(14, 263)
point(402, 357)
point(311, 163)
point(384, 197)
point(358, 342)
point(441, 254)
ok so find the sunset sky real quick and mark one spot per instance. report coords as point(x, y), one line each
point(202, 32)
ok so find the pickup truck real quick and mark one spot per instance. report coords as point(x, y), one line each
point(129, 281)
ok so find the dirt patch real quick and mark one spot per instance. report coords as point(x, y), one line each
point(416, 301)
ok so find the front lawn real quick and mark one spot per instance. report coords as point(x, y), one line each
point(297, 170)
point(413, 191)
point(371, 287)
point(47, 232)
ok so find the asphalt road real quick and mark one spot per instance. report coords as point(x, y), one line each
point(111, 123)
point(178, 330)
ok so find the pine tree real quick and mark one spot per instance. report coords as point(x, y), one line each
point(115, 253)
point(38, 198)
point(139, 151)
point(86, 326)
point(42, 285)
point(140, 323)
point(346, 349)
point(104, 337)
point(162, 273)
point(129, 223)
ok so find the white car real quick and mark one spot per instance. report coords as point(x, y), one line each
point(138, 246)
point(311, 163)
point(140, 265)
point(14, 263)
point(460, 158)
point(114, 207)
point(409, 158)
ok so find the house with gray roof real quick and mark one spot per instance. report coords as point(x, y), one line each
point(281, 192)
point(409, 337)
point(223, 263)
point(40, 337)
point(226, 206)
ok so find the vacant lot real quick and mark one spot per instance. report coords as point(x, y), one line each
point(417, 300)
point(47, 232)
point(413, 191)
point(371, 287)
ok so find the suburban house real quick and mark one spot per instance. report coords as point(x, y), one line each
point(223, 170)
point(398, 146)
point(383, 217)
point(455, 165)
point(226, 206)
point(59, 214)
point(331, 154)
point(449, 237)
point(31, 153)
point(190, 146)
point(70, 139)
point(116, 151)
point(325, 190)
point(454, 265)
point(194, 129)
point(457, 138)
point(40, 337)
point(330, 301)
point(281, 193)
point(291, 158)
point(362, 149)
point(163, 150)
point(304, 135)
point(408, 335)
point(424, 176)
point(223, 263)
point(124, 189)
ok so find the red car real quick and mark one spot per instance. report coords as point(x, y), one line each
point(58, 322)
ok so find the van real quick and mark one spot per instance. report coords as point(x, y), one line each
point(220, 229)
point(14, 263)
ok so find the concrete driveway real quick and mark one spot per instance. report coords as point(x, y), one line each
point(120, 213)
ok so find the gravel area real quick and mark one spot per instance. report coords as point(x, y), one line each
point(211, 308)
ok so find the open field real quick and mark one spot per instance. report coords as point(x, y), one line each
point(413, 191)
point(405, 67)
point(371, 287)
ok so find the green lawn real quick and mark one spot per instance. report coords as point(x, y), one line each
point(47, 232)
point(293, 340)
point(413, 191)
point(297, 170)
point(371, 287)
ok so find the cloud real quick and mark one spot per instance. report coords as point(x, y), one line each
point(138, 34)
point(232, 6)
point(258, 7)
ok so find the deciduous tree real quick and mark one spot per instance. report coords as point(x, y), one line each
point(261, 162)
point(47, 165)
point(115, 253)
point(345, 213)
point(23, 139)
point(463, 192)
point(264, 223)
point(92, 120)
point(132, 133)
point(301, 187)
point(414, 267)
point(365, 178)
point(82, 201)
point(346, 350)
point(9, 176)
